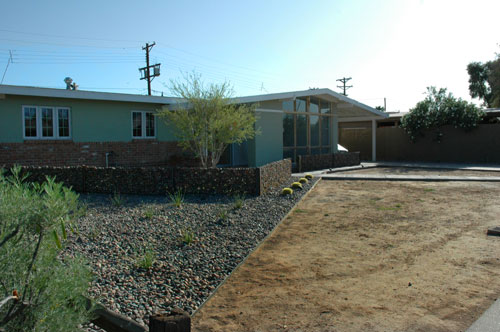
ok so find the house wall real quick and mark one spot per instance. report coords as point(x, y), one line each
point(267, 146)
point(97, 128)
point(91, 120)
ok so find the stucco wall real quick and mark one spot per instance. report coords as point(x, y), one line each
point(91, 120)
point(267, 146)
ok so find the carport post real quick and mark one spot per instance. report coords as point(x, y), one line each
point(335, 133)
point(374, 140)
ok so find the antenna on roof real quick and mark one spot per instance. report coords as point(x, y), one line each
point(69, 84)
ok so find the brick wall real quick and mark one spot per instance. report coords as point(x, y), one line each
point(68, 153)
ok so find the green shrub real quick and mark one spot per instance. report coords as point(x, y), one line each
point(308, 176)
point(186, 236)
point(222, 215)
point(149, 213)
point(296, 185)
point(146, 259)
point(287, 191)
point(34, 222)
point(177, 198)
point(303, 180)
point(238, 201)
point(438, 109)
point(117, 199)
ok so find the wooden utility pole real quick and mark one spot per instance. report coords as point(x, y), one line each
point(146, 71)
point(343, 86)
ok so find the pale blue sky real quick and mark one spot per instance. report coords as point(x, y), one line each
point(392, 49)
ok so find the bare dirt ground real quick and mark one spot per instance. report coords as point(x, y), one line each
point(369, 256)
point(419, 171)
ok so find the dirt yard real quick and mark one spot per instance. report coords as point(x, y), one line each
point(369, 256)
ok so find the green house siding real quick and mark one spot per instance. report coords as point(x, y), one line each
point(91, 120)
point(267, 146)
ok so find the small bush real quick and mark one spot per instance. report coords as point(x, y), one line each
point(117, 199)
point(35, 220)
point(222, 215)
point(146, 259)
point(238, 201)
point(149, 213)
point(176, 198)
point(303, 180)
point(308, 176)
point(287, 191)
point(186, 236)
point(297, 185)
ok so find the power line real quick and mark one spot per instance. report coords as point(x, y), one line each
point(69, 37)
point(7, 67)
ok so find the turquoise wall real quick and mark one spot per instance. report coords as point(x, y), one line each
point(110, 121)
point(267, 146)
point(91, 120)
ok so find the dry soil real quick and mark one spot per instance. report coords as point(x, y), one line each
point(369, 256)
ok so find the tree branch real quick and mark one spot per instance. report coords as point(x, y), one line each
point(9, 236)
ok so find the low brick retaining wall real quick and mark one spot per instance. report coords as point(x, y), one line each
point(323, 161)
point(160, 180)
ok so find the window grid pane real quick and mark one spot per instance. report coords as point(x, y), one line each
point(63, 122)
point(150, 125)
point(30, 122)
point(301, 133)
point(314, 105)
point(314, 129)
point(136, 124)
point(47, 122)
point(325, 131)
point(287, 129)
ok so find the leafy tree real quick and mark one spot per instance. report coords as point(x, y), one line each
point(380, 108)
point(438, 109)
point(42, 291)
point(209, 120)
point(484, 81)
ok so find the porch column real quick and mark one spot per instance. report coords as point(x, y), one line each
point(335, 133)
point(374, 140)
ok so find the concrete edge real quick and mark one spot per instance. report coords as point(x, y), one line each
point(256, 247)
point(488, 321)
point(457, 166)
point(412, 178)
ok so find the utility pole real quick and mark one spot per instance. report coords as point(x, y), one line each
point(146, 71)
point(343, 86)
point(11, 60)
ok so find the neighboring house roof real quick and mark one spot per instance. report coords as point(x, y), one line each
point(344, 105)
point(82, 94)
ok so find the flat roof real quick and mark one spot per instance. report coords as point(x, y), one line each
point(345, 106)
point(83, 94)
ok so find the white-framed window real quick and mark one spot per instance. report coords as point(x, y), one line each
point(46, 122)
point(143, 124)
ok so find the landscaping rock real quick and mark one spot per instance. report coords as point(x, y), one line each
point(118, 240)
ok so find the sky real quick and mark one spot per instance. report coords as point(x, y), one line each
point(391, 49)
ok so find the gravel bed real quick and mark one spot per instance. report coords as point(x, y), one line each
point(117, 241)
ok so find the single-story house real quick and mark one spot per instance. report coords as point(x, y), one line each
point(59, 127)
